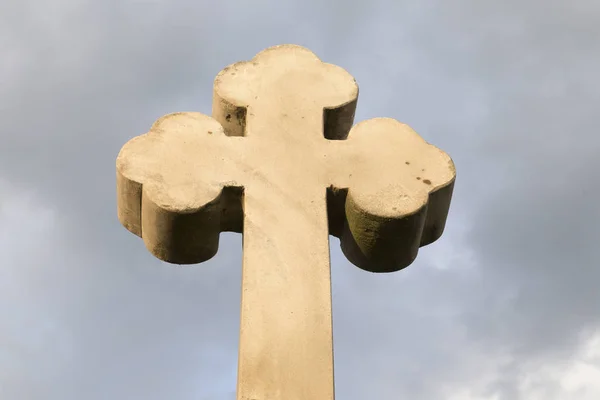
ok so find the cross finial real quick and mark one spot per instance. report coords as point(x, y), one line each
point(278, 161)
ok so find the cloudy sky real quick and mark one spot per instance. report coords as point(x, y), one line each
point(505, 306)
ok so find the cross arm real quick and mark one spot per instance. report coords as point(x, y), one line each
point(166, 191)
point(394, 198)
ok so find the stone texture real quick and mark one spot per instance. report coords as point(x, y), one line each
point(280, 161)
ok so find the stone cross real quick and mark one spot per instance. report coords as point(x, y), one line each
point(280, 161)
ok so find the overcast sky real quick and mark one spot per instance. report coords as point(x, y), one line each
point(505, 306)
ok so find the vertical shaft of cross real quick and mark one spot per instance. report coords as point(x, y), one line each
point(286, 344)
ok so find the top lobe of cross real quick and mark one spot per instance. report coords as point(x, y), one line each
point(280, 132)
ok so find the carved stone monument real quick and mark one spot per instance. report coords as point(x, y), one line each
point(280, 162)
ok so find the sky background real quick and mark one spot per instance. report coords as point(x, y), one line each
point(505, 306)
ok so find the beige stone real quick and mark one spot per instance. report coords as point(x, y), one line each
point(278, 161)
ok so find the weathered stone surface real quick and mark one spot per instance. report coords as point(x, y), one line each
point(279, 161)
